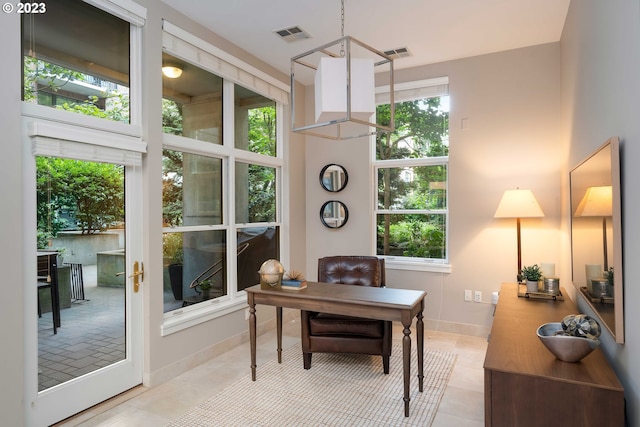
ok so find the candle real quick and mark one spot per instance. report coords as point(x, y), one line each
point(593, 271)
point(548, 269)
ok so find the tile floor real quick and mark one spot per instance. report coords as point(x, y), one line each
point(462, 404)
point(91, 335)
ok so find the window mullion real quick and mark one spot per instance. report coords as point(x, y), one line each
point(228, 142)
point(423, 161)
point(135, 76)
point(412, 211)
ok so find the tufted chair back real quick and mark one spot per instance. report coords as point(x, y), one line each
point(352, 270)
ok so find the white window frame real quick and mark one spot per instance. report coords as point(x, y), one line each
point(421, 89)
point(182, 44)
point(136, 15)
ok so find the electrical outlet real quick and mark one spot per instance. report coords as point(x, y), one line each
point(246, 314)
point(467, 295)
point(478, 296)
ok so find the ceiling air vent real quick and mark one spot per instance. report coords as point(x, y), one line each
point(292, 34)
point(400, 52)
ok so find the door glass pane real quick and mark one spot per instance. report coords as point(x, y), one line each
point(194, 267)
point(192, 101)
point(81, 264)
point(76, 58)
point(255, 193)
point(255, 117)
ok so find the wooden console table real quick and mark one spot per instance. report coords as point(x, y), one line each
point(363, 301)
point(525, 385)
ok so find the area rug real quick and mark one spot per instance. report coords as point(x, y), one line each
point(338, 390)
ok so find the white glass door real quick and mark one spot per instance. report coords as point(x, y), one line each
point(84, 310)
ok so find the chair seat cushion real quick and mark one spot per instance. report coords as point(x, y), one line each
point(334, 324)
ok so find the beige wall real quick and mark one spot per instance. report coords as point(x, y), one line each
point(295, 220)
point(510, 104)
point(354, 238)
point(601, 98)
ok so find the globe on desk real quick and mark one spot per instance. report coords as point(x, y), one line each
point(271, 272)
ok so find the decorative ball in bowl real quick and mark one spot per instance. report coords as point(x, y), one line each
point(568, 348)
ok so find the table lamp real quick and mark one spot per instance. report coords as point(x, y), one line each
point(597, 201)
point(518, 204)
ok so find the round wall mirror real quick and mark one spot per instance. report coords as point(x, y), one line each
point(334, 214)
point(333, 177)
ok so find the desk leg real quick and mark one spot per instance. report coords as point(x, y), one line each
point(406, 365)
point(252, 334)
point(279, 332)
point(420, 329)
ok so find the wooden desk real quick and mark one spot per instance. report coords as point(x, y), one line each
point(375, 303)
point(525, 385)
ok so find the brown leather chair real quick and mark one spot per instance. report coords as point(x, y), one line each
point(332, 333)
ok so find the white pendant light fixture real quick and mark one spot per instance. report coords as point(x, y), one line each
point(344, 74)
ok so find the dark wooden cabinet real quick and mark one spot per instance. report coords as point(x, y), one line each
point(525, 385)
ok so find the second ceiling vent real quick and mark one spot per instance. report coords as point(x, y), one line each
point(292, 34)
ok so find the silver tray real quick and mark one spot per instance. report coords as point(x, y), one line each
point(602, 300)
point(523, 293)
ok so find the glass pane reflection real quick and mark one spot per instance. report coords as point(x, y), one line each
point(76, 58)
point(262, 243)
point(190, 258)
point(191, 189)
point(192, 102)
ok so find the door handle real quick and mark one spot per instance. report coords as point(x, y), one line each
point(137, 276)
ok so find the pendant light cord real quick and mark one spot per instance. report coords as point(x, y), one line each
point(342, 27)
point(342, 17)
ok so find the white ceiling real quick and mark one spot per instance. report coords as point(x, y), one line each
point(433, 30)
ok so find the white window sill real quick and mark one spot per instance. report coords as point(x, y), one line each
point(392, 263)
point(186, 317)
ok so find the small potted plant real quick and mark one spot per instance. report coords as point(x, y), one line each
point(532, 274)
point(174, 255)
point(61, 252)
point(205, 287)
point(608, 274)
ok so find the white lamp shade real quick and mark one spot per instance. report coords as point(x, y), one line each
point(518, 204)
point(597, 201)
point(331, 89)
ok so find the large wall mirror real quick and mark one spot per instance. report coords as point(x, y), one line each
point(596, 235)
